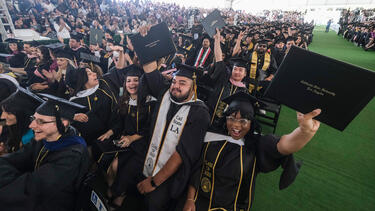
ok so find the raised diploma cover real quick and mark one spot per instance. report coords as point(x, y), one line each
point(155, 45)
point(212, 21)
point(306, 81)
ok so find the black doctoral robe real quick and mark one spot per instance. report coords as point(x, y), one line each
point(190, 143)
point(226, 175)
point(52, 183)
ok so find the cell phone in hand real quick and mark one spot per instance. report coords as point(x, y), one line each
point(117, 143)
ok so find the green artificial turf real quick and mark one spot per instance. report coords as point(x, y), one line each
point(339, 167)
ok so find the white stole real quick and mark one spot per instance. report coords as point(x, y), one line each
point(158, 154)
point(84, 93)
point(210, 137)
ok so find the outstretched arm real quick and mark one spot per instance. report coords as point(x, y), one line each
point(297, 139)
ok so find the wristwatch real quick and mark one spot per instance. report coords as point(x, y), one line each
point(153, 183)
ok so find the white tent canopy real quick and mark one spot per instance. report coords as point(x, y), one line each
point(256, 5)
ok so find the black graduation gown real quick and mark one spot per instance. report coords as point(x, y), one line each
point(17, 60)
point(53, 185)
point(115, 79)
point(77, 53)
point(226, 177)
point(130, 163)
point(192, 58)
point(102, 110)
point(190, 144)
point(261, 74)
point(222, 88)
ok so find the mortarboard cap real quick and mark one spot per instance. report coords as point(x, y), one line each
point(76, 36)
point(306, 80)
point(8, 85)
point(188, 72)
point(155, 45)
point(22, 100)
point(89, 58)
point(55, 46)
point(61, 53)
point(243, 102)
point(185, 71)
point(64, 108)
point(212, 21)
point(239, 62)
point(133, 70)
point(13, 40)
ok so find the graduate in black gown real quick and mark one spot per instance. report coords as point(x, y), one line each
point(223, 82)
point(47, 173)
point(263, 67)
point(177, 128)
point(57, 78)
point(225, 178)
point(16, 110)
point(76, 48)
point(8, 85)
point(15, 48)
point(132, 131)
point(95, 94)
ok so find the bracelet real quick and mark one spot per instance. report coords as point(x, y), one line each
point(190, 199)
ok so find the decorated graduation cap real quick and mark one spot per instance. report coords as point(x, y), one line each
point(22, 100)
point(243, 102)
point(59, 108)
point(188, 72)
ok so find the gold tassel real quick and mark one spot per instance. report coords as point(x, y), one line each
point(195, 86)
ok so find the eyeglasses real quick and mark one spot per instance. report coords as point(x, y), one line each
point(39, 121)
point(243, 122)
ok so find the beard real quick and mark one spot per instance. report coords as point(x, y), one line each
point(180, 98)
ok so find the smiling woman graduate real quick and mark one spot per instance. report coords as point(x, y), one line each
point(225, 178)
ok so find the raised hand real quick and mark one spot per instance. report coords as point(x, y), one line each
point(306, 122)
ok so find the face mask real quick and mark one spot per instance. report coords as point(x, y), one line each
point(116, 54)
point(108, 48)
point(97, 53)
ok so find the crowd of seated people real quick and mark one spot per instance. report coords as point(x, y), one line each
point(358, 26)
point(144, 125)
